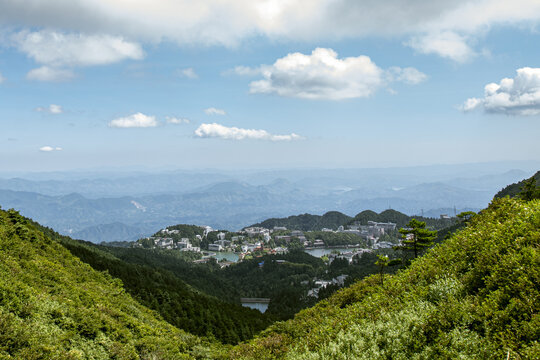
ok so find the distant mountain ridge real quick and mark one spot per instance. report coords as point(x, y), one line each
point(230, 201)
point(307, 222)
point(334, 219)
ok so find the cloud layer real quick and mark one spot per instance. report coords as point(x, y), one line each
point(517, 96)
point(138, 120)
point(322, 75)
point(233, 133)
point(227, 22)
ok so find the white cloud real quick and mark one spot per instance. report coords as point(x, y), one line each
point(446, 44)
point(188, 73)
point(59, 52)
point(46, 73)
point(233, 133)
point(51, 109)
point(176, 120)
point(517, 96)
point(49, 148)
point(230, 21)
point(138, 120)
point(214, 111)
point(322, 75)
point(408, 75)
point(2, 79)
point(57, 49)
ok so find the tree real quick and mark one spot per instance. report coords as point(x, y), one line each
point(466, 216)
point(416, 237)
point(529, 191)
point(383, 262)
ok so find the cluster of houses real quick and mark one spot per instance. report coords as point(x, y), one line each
point(168, 239)
point(320, 284)
point(169, 243)
point(371, 232)
point(349, 255)
point(252, 239)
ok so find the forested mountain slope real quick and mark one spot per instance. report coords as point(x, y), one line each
point(474, 296)
point(159, 289)
point(54, 306)
point(307, 222)
point(514, 189)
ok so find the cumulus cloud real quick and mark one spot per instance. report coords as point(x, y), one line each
point(517, 96)
point(187, 73)
point(176, 120)
point(322, 75)
point(233, 133)
point(228, 22)
point(138, 120)
point(446, 44)
point(49, 148)
point(214, 111)
point(51, 109)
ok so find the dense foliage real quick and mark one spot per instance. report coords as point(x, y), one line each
point(473, 296)
point(307, 222)
point(285, 279)
point(416, 237)
point(279, 281)
point(178, 303)
point(54, 306)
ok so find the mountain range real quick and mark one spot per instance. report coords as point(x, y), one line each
point(120, 208)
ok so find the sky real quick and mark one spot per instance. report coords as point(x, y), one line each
point(278, 83)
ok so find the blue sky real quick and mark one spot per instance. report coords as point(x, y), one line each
point(240, 84)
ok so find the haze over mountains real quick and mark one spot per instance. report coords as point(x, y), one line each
point(125, 206)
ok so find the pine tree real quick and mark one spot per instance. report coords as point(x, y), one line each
point(416, 237)
point(529, 190)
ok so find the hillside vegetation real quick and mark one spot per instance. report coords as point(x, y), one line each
point(514, 189)
point(334, 219)
point(474, 296)
point(160, 289)
point(307, 222)
point(54, 306)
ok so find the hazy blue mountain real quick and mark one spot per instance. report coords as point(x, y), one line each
point(110, 232)
point(142, 203)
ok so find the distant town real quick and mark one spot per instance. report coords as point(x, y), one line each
point(256, 241)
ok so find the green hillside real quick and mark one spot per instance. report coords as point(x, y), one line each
point(474, 296)
point(54, 306)
point(397, 218)
point(307, 222)
point(514, 189)
point(159, 289)
point(334, 219)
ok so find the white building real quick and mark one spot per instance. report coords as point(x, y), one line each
point(215, 247)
